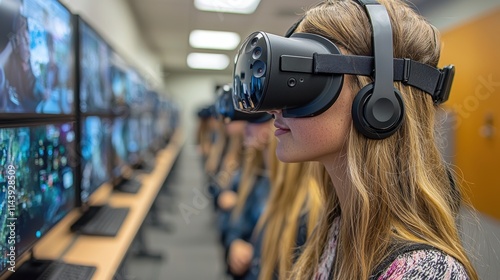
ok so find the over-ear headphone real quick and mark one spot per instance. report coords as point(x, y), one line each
point(302, 75)
point(378, 108)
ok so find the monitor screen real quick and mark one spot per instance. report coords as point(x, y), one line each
point(95, 149)
point(37, 182)
point(173, 112)
point(36, 59)
point(133, 140)
point(118, 80)
point(160, 124)
point(147, 120)
point(120, 151)
point(95, 71)
point(136, 92)
point(146, 131)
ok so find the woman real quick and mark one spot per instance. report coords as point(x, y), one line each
point(291, 214)
point(390, 204)
point(252, 195)
point(230, 161)
point(204, 137)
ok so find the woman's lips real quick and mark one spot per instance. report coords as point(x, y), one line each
point(280, 129)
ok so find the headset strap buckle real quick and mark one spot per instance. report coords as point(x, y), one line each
point(444, 84)
point(406, 70)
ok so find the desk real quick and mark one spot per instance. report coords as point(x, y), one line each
point(107, 253)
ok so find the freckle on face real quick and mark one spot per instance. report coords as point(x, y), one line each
point(314, 138)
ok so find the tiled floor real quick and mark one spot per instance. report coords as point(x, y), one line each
point(191, 250)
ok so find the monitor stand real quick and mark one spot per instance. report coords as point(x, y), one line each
point(147, 163)
point(125, 181)
point(125, 185)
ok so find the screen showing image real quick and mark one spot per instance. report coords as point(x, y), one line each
point(120, 152)
point(133, 140)
point(147, 119)
point(37, 183)
point(36, 58)
point(146, 131)
point(95, 72)
point(161, 124)
point(136, 92)
point(118, 80)
point(96, 154)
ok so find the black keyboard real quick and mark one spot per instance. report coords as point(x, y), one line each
point(101, 221)
point(129, 186)
point(34, 269)
point(147, 163)
point(145, 167)
point(66, 271)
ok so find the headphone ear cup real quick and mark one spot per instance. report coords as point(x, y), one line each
point(364, 116)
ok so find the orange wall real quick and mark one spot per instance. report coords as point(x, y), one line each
point(474, 49)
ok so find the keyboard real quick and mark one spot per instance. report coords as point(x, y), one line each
point(147, 163)
point(145, 167)
point(34, 269)
point(101, 221)
point(129, 186)
point(66, 271)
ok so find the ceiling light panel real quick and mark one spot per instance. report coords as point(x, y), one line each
point(209, 61)
point(227, 6)
point(217, 40)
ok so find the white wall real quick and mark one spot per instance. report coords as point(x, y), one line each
point(192, 92)
point(114, 20)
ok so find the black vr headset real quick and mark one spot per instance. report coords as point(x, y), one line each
point(302, 75)
point(206, 112)
point(225, 109)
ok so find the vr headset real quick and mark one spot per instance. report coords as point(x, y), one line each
point(302, 74)
point(206, 112)
point(224, 108)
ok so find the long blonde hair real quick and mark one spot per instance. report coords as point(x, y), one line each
point(399, 187)
point(203, 137)
point(253, 165)
point(216, 152)
point(294, 193)
point(231, 160)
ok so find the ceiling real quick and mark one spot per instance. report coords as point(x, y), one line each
point(166, 24)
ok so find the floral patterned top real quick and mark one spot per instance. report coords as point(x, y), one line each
point(419, 264)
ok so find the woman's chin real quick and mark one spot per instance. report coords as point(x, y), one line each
point(289, 156)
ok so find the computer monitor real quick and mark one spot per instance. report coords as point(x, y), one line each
point(160, 125)
point(174, 116)
point(147, 119)
point(119, 84)
point(136, 92)
point(95, 149)
point(120, 152)
point(37, 71)
point(133, 140)
point(95, 88)
point(37, 181)
point(146, 132)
